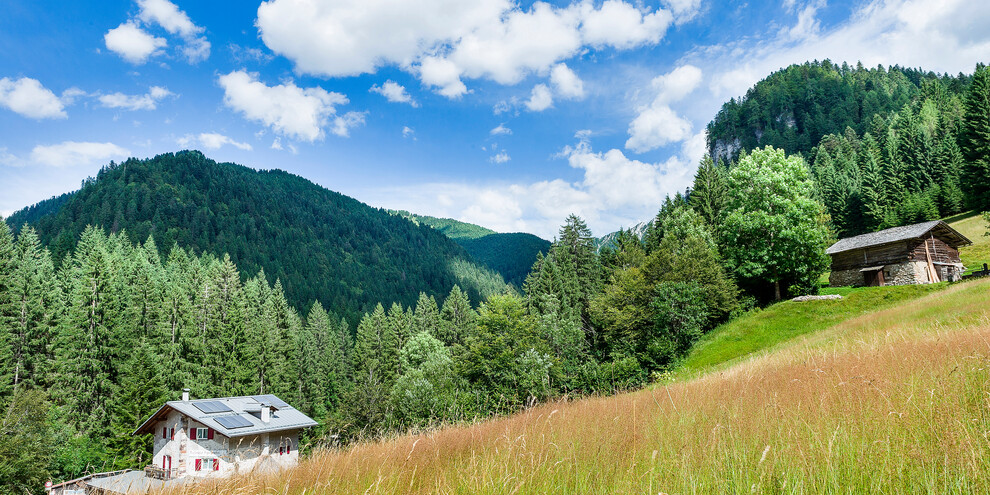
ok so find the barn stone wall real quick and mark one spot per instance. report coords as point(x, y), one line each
point(906, 273)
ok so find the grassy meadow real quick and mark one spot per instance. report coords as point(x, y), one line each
point(890, 401)
point(973, 226)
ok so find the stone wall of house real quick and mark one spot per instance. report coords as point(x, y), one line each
point(907, 273)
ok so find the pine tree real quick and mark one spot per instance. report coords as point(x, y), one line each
point(975, 139)
point(8, 263)
point(427, 316)
point(33, 294)
point(140, 393)
point(458, 319)
point(708, 192)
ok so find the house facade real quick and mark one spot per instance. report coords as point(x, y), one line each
point(922, 253)
point(215, 437)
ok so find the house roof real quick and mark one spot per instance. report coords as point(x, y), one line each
point(238, 410)
point(937, 228)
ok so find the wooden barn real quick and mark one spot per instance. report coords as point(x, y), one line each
point(922, 253)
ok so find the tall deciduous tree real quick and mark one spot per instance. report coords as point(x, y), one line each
point(775, 231)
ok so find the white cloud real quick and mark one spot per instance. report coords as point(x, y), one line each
point(566, 83)
point(289, 110)
point(133, 43)
point(167, 15)
point(500, 130)
point(277, 144)
point(657, 124)
point(343, 124)
point(443, 74)
point(684, 10)
point(69, 96)
point(213, 141)
point(948, 37)
point(622, 25)
point(615, 191)
point(146, 101)
point(408, 131)
point(500, 157)
point(72, 153)
point(394, 92)
point(136, 45)
point(29, 98)
point(446, 41)
point(540, 99)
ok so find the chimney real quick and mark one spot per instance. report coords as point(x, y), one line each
point(185, 395)
point(266, 413)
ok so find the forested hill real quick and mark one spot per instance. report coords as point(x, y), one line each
point(322, 245)
point(887, 147)
point(795, 107)
point(512, 254)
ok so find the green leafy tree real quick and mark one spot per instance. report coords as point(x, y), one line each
point(26, 442)
point(775, 231)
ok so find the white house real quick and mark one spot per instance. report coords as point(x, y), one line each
point(204, 438)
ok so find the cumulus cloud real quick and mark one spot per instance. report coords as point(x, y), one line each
point(684, 10)
point(148, 101)
point(657, 124)
point(394, 92)
point(614, 191)
point(408, 131)
point(566, 83)
point(28, 97)
point(446, 41)
point(540, 99)
point(70, 154)
point(136, 45)
point(213, 141)
point(132, 43)
point(298, 113)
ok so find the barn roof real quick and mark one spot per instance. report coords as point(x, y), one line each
point(937, 228)
point(234, 416)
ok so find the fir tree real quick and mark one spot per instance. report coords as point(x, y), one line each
point(140, 393)
point(708, 192)
point(975, 139)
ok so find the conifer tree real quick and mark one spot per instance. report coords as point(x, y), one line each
point(975, 139)
point(457, 317)
point(427, 316)
point(34, 296)
point(140, 393)
point(708, 192)
point(8, 263)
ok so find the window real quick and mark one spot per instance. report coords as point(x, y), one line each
point(202, 433)
point(208, 465)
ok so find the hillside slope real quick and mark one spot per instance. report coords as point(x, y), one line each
point(322, 245)
point(512, 254)
point(891, 401)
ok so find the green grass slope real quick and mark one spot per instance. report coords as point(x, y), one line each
point(886, 392)
point(762, 329)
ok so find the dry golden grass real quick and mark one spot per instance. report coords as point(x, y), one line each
point(896, 401)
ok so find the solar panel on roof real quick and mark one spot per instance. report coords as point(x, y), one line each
point(271, 400)
point(233, 422)
point(212, 406)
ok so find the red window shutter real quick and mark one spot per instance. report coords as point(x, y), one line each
point(172, 433)
point(216, 464)
point(209, 433)
point(199, 464)
point(281, 450)
point(288, 448)
point(164, 432)
point(192, 433)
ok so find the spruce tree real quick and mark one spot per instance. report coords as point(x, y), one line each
point(975, 139)
point(427, 316)
point(140, 393)
point(708, 192)
point(8, 263)
point(457, 317)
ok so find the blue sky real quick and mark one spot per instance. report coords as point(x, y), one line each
point(510, 115)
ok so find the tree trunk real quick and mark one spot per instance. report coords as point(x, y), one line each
point(776, 290)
